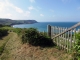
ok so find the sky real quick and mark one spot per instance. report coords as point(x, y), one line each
point(41, 10)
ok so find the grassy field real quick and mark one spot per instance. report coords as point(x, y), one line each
point(15, 50)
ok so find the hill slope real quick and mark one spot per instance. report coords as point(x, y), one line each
point(13, 22)
point(15, 50)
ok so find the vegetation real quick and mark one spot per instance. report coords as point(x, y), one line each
point(13, 22)
point(2, 48)
point(17, 30)
point(15, 50)
point(3, 32)
point(77, 47)
point(3, 40)
point(33, 37)
point(4, 25)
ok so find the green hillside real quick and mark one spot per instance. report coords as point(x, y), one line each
point(13, 22)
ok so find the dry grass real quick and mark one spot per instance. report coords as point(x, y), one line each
point(14, 50)
point(4, 39)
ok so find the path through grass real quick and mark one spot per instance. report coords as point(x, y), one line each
point(14, 50)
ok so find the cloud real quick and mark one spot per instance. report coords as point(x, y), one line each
point(1, 6)
point(32, 1)
point(18, 10)
point(6, 5)
point(27, 14)
point(9, 10)
point(31, 8)
point(8, 14)
point(41, 15)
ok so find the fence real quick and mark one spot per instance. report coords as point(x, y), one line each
point(63, 37)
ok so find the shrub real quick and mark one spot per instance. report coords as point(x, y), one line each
point(33, 37)
point(17, 30)
point(77, 47)
point(3, 32)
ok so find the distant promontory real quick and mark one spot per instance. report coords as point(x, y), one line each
point(14, 22)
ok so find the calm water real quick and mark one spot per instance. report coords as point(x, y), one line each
point(42, 26)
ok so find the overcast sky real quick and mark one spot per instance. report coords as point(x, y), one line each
point(41, 10)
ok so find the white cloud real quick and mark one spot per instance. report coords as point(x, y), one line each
point(1, 6)
point(32, 1)
point(18, 10)
point(27, 14)
point(9, 10)
point(41, 15)
point(31, 8)
point(8, 15)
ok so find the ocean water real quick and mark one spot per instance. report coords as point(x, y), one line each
point(42, 26)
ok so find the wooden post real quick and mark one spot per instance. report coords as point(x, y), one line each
point(59, 39)
point(49, 30)
point(43, 32)
point(74, 36)
point(68, 41)
point(53, 31)
point(58, 36)
point(71, 39)
point(64, 39)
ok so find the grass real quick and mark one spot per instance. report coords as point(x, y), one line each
point(3, 42)
point(12, 46)
point(13, 50)
point(9, 28)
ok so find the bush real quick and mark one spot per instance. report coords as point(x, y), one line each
point(3, 32)
point(33, 37)
point(77, 47)
point(17, 30)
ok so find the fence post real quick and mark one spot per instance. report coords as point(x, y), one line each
point(49, 30)
point(43, 32)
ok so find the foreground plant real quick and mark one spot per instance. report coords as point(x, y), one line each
point(33, 37)
point(77, 47)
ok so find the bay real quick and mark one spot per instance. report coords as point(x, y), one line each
point(42, 26)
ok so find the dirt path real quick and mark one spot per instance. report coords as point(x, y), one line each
point(11, 47)
point(14, 50)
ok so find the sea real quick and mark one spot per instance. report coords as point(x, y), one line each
point(42, 26)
